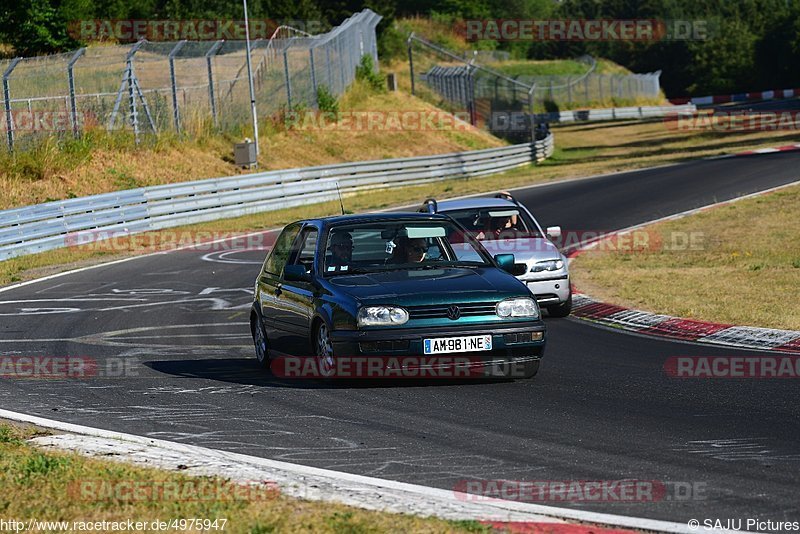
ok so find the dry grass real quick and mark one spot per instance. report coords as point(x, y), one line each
point(44, 486)
point(101, 163)
point(745, 269)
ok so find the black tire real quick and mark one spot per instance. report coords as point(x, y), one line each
point(561, 310)
point(530, 369)
point(323, 351)
point(260, 341)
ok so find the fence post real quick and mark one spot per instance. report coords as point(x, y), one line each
point(313, 74)
point(73, 105)
point(176, 116)
point(211, 96)
point(411, 62)
point(532, 118)
point(569, 90)
point(600, 86)
point(7, 98)
point(288, 79)
point(330, 67)
point(586, 88)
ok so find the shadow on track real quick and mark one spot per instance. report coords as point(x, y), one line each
point(246, 371)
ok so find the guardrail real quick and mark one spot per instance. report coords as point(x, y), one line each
point(544, 148)
point(42, 227)
point(609, 114)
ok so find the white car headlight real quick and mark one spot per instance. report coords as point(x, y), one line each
point(548, 265)
point(381, 315)
point(518, 307)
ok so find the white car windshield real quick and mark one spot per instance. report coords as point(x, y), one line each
point(495, 223)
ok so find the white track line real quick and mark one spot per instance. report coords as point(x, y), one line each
point(321, 484)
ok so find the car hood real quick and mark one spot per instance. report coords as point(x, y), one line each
point(431, 286)
point(525, 249)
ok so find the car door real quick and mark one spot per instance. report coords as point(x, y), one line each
point(295, 300)
point(269, 281)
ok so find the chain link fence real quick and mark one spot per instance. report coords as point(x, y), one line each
point(181, 86)
point(504, 104)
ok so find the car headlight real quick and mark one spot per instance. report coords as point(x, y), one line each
point(519, 307)
point(381, 315)
point(547, 265)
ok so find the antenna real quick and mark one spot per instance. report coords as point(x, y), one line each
point(341, 204)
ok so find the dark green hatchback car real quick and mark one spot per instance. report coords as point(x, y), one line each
point(414, 290)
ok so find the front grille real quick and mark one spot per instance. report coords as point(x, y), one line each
point(383, 346)
point(439, 311)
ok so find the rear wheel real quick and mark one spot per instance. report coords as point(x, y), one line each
point(260, 340)
point(561, 310)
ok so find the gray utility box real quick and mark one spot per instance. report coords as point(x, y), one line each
point(244, 154)
point(391, 81)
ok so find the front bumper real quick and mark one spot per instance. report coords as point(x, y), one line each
point(548, 291)
point(510, 342)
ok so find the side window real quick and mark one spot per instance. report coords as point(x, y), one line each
point(306, 248)
point(280, 252)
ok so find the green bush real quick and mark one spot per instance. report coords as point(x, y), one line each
point(365, 71)
point(326, 101)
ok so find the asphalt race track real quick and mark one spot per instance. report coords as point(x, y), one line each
point(602, 407)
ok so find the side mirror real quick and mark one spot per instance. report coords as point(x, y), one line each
point(296, 273)
point(505, 262)
point(519, 269)
point(554, 231)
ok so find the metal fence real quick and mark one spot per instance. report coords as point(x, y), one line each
point(485, 93)
point(33, 229)
point(183, 86)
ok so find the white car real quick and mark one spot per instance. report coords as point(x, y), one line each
point(504, 226)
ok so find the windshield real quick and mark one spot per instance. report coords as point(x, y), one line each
point(495, 223)
point(393, 245)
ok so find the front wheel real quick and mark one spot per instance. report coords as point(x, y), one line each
point(561, 310)
point(324, 351)
point(530, 368)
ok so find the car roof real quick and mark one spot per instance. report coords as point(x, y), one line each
point(337, 220)
point(474, 203)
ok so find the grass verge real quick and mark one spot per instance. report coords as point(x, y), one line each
point(582, 150)
point(48, 486)
point(736, 264)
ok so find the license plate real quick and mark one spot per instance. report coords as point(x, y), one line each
point(458, 344)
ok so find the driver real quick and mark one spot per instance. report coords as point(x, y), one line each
point(497, 226)
point(410, 250)
point(341, 249)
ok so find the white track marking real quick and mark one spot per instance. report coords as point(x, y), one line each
point(316, 483)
